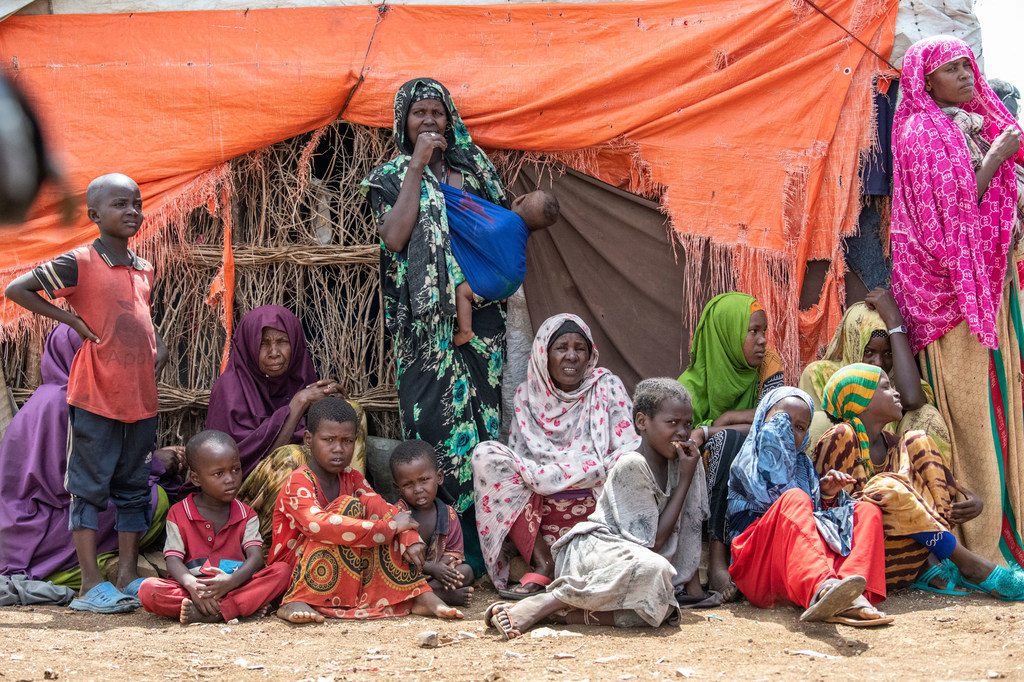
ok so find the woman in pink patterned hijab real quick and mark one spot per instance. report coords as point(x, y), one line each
point(954, 224)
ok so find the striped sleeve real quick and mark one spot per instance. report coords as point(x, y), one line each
point(175, 544)
point(252, 537)
point(59, 274)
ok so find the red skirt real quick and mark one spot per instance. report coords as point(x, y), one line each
point(782, 557)
point(552, 517)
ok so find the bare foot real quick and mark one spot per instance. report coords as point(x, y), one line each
point(429, 604)
point(299, 612)
point(262, 611)
point(190, 613)
point(462, 337)
point(462, 596)
point(720, 581)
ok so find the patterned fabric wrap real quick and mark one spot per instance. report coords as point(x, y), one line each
point(345, 554)
point(718, 376)
point(949, 249)
point(847, 394)
point(559, 441)
point(913, 487)
point(449, 396)
point(769, 465)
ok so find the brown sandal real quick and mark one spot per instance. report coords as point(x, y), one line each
point(493, 618)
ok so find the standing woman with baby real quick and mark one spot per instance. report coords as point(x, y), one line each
point(448, 395)
point(954, 225)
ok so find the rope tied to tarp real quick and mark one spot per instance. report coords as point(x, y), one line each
point(382, 10)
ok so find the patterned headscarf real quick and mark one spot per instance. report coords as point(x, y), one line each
point(768, 465)
point(949, 250)
point(428, 290)
point(718, 376)
point(847, 395)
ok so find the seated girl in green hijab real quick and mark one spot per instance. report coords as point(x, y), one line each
point(730, 368)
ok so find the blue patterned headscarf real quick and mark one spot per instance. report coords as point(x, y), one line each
point(768, 465)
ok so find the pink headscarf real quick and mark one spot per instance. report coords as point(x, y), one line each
point(949, 251)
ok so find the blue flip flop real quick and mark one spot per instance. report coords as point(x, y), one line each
point(132, 588)
point(939, 571)
point(1001, 583)
point(104, 598)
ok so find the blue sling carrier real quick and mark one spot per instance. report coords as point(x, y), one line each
point(488, 242)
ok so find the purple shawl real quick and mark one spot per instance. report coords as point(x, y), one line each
point(34, 535)
point(247, 404)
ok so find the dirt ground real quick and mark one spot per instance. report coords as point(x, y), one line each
point(935, 637)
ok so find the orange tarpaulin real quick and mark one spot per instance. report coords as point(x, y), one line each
point(749, 112)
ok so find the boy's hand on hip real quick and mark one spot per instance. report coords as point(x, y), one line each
point(82, 329)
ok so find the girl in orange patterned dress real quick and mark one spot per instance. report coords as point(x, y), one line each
point(353, 554)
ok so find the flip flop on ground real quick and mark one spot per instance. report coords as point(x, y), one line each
point(498, 615)
point(132, 588)
point(104, 598)
point(834, 596)
point(538, 579)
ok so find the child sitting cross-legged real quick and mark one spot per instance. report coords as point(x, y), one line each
point(636, 557)
point(353, 554)
point(417, 476)
point(214, 552)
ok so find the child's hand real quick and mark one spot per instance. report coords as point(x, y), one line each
point(445, 573)
point(215, 586)
point(969, 508)
point(79, 325)
point(834, 481)
point(415, 554)
point(404, 521)
point(208, 606)
point(687, 454)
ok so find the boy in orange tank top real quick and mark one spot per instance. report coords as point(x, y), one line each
point(112, 384)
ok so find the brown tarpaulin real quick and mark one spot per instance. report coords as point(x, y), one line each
point(610, 259)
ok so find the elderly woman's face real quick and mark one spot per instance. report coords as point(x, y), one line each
point(567, 359)
point(952, 83)
point(425, 116)
point(275, 352)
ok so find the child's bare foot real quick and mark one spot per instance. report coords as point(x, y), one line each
point(462, 596)
point(720, 581)
point(429, 604)
point(464, 336)
point(262, 611)
point(190, 613)
point(299, 612)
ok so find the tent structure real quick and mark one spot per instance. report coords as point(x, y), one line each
point(742, 119)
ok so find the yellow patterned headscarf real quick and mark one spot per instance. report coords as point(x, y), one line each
point(847, 394)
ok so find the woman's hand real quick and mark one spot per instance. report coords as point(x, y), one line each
point(173, 459)
point(1006, 145)
point(426, 143)
point(969, 508)
point(310, 394)
point(415, 555)
point(881, 301)
point(834, 481)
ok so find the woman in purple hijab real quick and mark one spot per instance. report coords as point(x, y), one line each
point(261, 401)
point(34, 536)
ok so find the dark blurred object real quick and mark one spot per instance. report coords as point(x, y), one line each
point(24, 163)
point(1007, 92)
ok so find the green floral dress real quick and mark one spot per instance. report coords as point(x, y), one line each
point(449, 395)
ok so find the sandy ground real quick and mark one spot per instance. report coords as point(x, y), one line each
point(934, 638)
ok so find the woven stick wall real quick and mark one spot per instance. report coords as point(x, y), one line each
point(303, 238)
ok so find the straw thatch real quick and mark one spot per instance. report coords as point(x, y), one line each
point(303, 238)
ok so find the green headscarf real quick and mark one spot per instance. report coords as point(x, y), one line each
point(718, 376)
point(847, 394)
